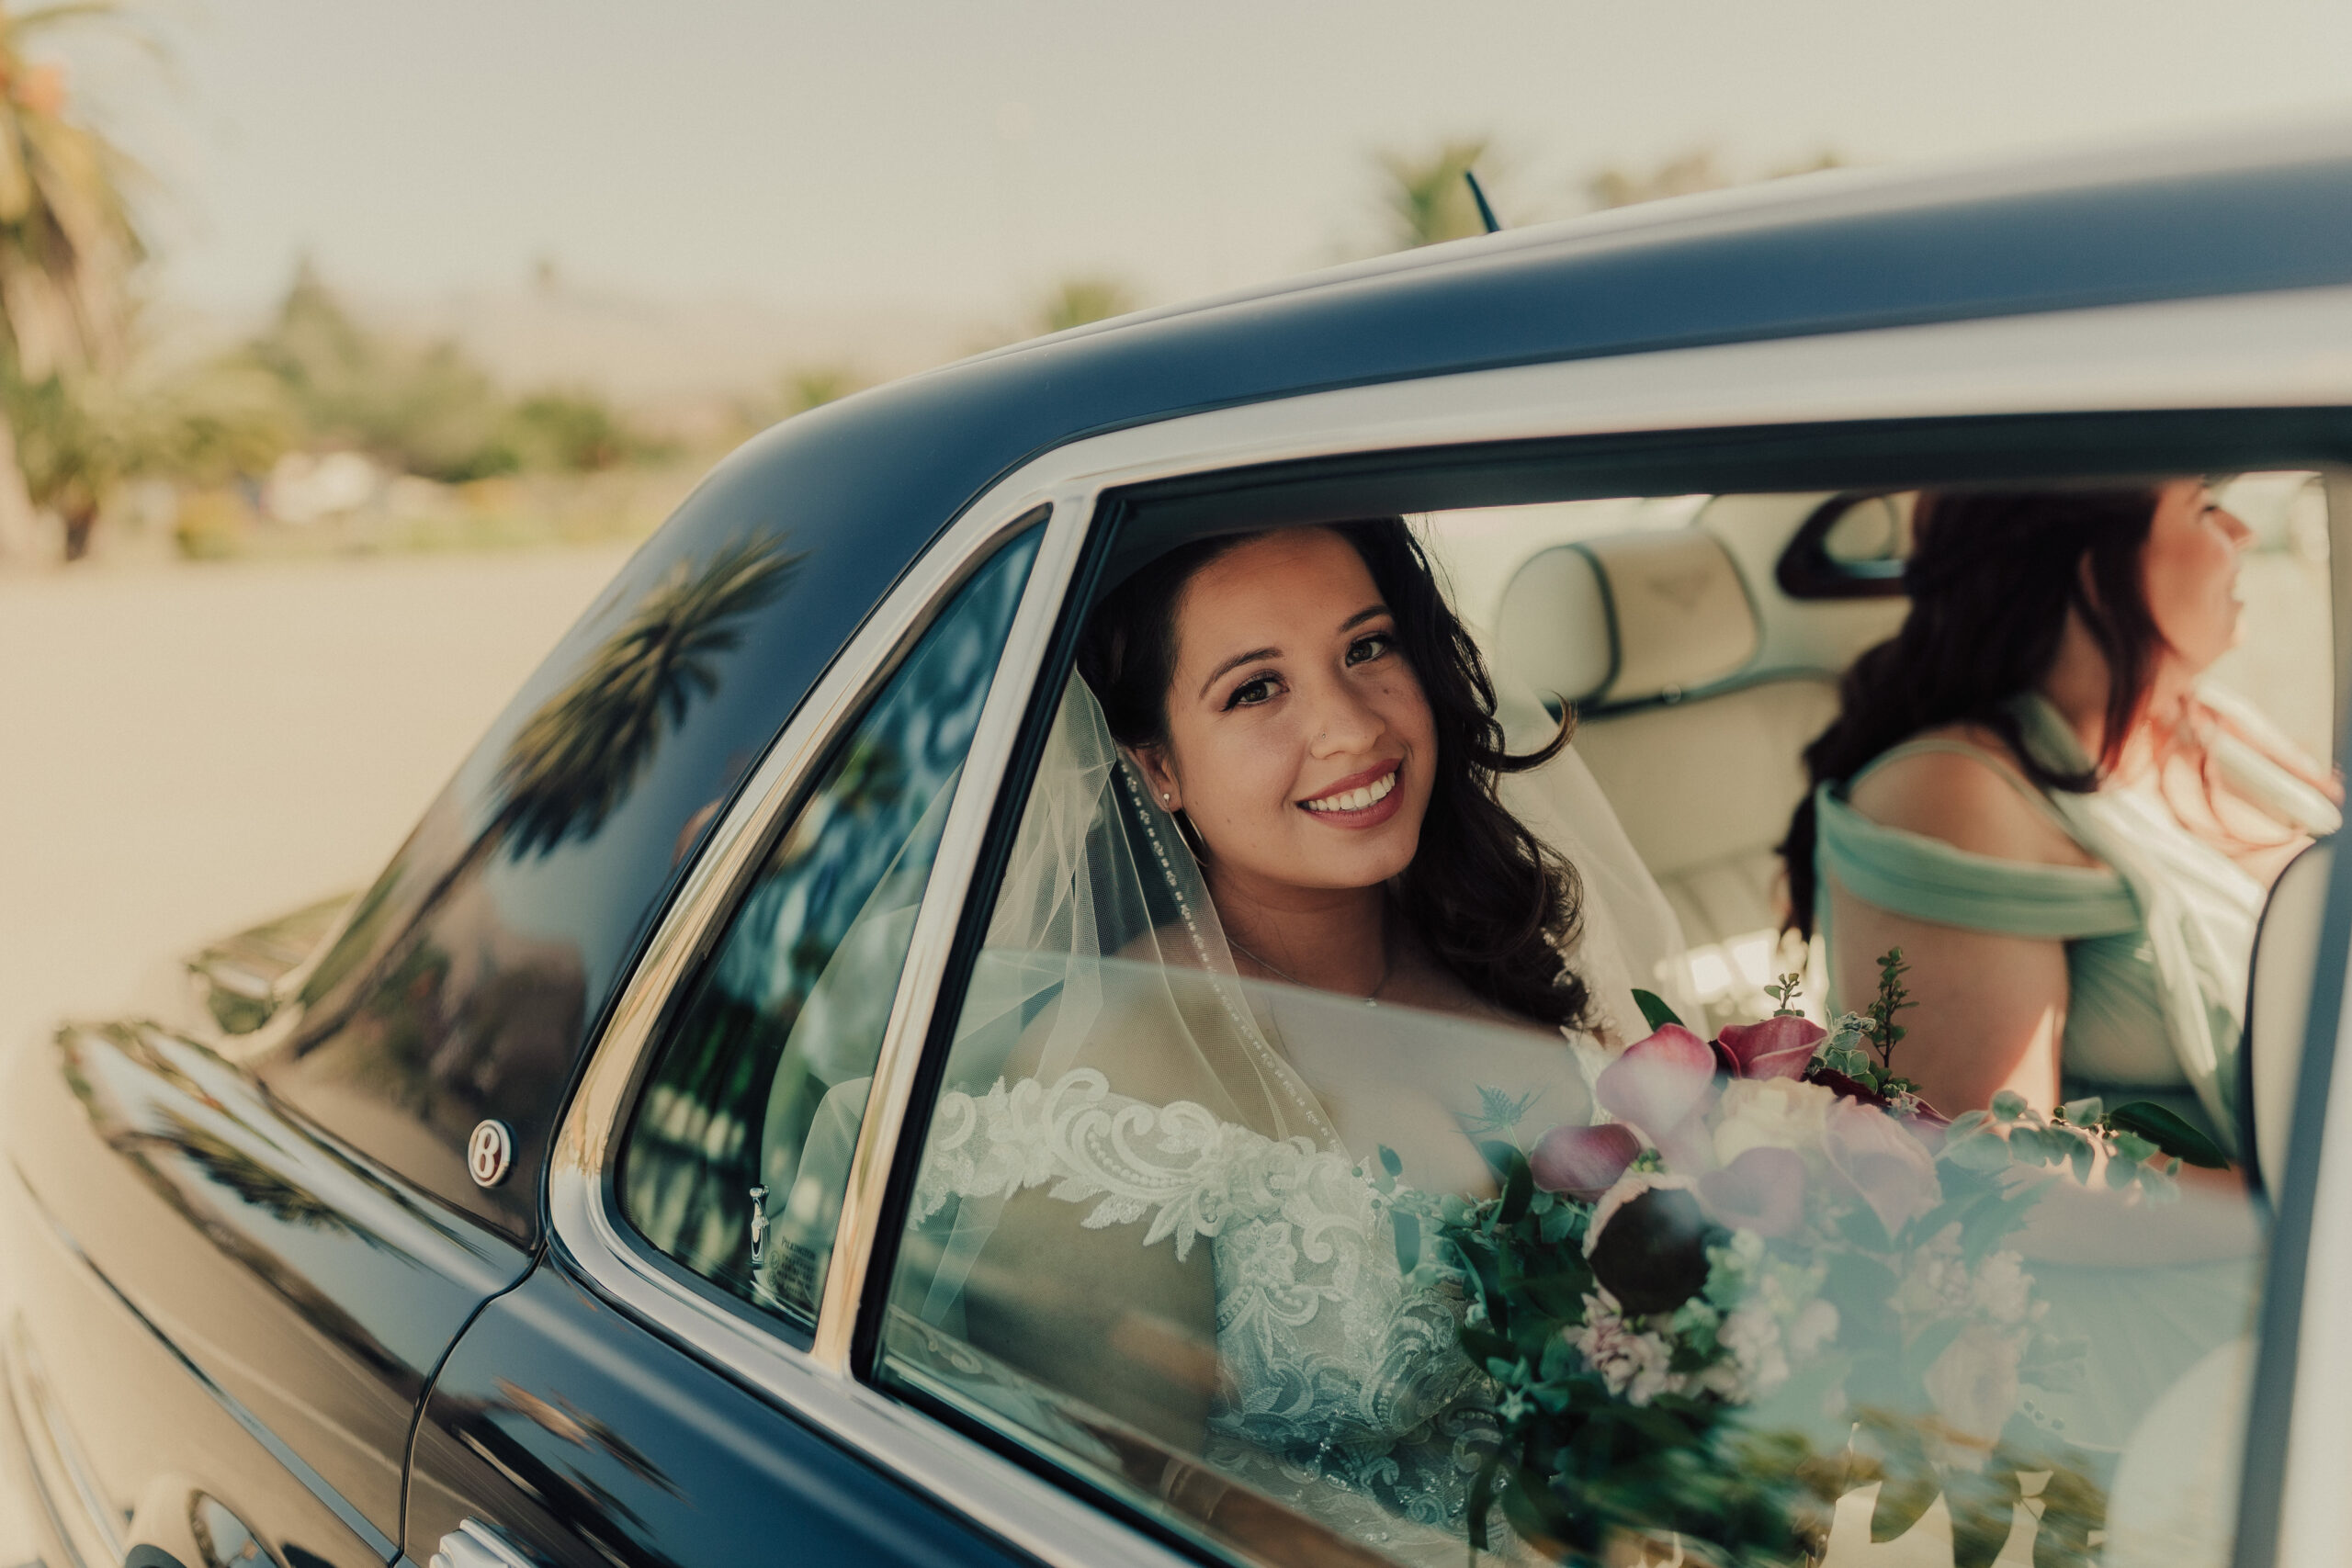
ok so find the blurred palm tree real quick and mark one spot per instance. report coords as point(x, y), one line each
point(67, 238)
point(73, 443)
point(1424, 198)
point(1075, 302)
point(813, 386)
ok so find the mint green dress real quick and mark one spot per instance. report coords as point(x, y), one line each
point(2158, 938)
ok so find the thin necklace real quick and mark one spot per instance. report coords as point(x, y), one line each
point(1371, 1000)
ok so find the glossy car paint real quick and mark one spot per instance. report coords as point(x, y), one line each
point(212, 1292)
point(245, 1265)
point(591, 1442)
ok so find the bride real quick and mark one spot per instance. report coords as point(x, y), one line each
point(1269, 927)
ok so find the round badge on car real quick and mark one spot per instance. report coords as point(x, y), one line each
point(489, 1153)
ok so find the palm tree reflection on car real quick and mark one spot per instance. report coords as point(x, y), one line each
point(576, 759)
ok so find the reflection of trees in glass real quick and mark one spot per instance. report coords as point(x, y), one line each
point(861, 845)
point(579, 754)
point(254, 1182)
point(576, 759)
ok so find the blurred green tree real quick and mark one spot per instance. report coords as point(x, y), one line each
point(68, 239)
point(813, 386)
point(578, 432)
point(74, 444)
point(1075, 302)
point(1424, 198)
point(426, 410)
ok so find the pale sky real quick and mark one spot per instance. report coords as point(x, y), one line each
point(964, 154)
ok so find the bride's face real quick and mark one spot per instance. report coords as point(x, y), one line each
point(1299, 742)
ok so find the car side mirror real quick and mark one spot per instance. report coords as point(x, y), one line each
point(2278, 1009)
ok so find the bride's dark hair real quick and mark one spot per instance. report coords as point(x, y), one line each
point(1495, 905)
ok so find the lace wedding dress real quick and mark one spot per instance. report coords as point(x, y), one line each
point(1114, 1074)
point(1345, 1388)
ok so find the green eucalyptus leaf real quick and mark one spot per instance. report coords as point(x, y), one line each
point(2166, 1129)
point(1502, 1159)
point(1407, 1228)
point(1980, 1150)
point(2084, 1153)
point(2086, 1112)
point(1519, 1188)
point(2007, 1106)
point(1654, 1012)
point(1481, 1499)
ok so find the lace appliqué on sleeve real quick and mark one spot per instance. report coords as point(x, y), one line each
point(1340, 1377)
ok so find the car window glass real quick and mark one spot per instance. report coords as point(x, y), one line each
point(1297, 1274)
point(736, 1156)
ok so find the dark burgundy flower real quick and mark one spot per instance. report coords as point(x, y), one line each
point(1583, 1162)
point(1924, 1122)
point(1762, 1191)
point(1652, 1254)
point(1779, 1047)
point(1844, 1087)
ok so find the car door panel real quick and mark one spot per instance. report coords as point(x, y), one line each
point(582, 1438)
point(190, 1447)
point(274, 1283)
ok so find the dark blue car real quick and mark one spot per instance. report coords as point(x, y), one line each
point(555, 1199)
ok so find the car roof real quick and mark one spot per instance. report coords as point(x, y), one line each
point(1842, 250)
point(851, 493)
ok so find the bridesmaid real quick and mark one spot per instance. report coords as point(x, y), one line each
point(2029, 793)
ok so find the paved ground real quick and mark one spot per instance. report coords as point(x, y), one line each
point(185, 751)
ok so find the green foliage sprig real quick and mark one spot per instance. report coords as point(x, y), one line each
point(1886, 1034)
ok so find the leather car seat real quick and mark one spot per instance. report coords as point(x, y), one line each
point(1653, 638)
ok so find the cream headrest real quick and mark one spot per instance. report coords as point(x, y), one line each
point(1627, 618)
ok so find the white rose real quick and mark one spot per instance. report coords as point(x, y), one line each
point(1975, 1386)
point(2003, 1290)
point(1771, 1113)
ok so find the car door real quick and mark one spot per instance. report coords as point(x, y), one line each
point(220, 1309)
point(560, 1431)
point(656, 1391)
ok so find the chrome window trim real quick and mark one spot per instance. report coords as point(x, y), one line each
point(2278, 350)
point(1000, 1496)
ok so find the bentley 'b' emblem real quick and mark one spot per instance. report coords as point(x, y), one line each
point(489, 1153)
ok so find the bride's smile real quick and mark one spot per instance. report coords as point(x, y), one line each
point(1362, 800)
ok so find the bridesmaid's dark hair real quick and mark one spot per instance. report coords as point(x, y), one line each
point(1492, 902)
point(1992, 576)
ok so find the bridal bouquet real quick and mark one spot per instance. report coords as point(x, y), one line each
point(1775, 1275)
